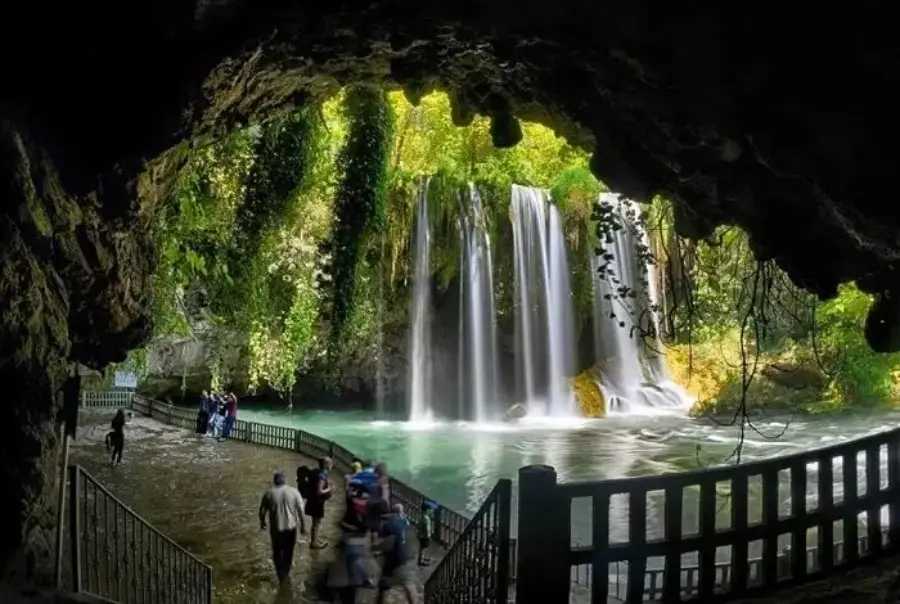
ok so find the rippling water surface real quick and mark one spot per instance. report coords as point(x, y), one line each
point(458, 464)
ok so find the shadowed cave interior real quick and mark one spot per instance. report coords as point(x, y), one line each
point(776, 122)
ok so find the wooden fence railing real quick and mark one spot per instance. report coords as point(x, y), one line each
point(116, 554)
point(724, 532)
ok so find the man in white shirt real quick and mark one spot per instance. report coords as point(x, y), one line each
point(282, 506)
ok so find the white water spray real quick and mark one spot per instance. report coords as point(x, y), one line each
point(419, 393)
point(628, 348)
point(544, 333)
point(478, 326)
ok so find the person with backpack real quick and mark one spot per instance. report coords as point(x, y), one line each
point(316, 490)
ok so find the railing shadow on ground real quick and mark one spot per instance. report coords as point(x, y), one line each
point(492, 521)
point(113, 553)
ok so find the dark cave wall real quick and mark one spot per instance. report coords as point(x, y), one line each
point(740, 116)
point(780, 122)
point(71, 285)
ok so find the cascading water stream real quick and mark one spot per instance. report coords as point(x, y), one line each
point(478, 327)
point(626, 327)
point(419, 393)
point(544, 333)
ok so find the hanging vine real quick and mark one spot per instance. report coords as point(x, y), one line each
point(361, 202)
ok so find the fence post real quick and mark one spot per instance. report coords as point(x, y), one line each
point(893, 450)
point(504, 502)
point(543, 541)
point(75, 527)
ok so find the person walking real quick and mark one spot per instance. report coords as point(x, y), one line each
point(396, 571)
point(116, 438)
point(315, 503)
point(282, 506)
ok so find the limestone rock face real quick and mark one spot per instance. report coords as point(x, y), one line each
point(72, 285)
point(780, 125)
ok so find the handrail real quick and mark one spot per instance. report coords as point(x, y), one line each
point(654, 482)
point(480, 556)
point(457, 529)
point(138, 565)
point(96, 483)
point(819, 496)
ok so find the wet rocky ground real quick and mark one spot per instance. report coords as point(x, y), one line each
point(205, 496)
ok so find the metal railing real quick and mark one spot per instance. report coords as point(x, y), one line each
point(726, 532)
point(827, 492)
point(476, 568)
point(110, 399)
point(116, 554)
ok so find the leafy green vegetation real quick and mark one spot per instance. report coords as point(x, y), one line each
point(361, 204)
point(295, 236)
point(743, 337)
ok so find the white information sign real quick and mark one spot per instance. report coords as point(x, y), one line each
point(126, 379)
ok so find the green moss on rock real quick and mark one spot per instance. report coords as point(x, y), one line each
point(588, 395)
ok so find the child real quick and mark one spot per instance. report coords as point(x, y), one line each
point(425, 531)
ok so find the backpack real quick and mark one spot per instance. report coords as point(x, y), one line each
point(365, 480)
point(306, 482)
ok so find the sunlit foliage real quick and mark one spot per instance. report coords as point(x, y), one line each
point(295, 234)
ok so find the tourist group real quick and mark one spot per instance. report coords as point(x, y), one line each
point(370, 528)
point(217, 414)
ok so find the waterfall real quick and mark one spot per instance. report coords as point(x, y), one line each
point(419, 392)
point(477, 360)
point(544, 332)
point(627, 344)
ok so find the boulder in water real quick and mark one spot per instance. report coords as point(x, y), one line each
point(516, 412)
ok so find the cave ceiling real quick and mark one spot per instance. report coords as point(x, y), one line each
point(774, 118)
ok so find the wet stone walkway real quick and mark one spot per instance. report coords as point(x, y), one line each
point(204, 494)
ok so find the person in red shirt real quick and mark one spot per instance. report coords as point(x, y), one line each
point(230, 414)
